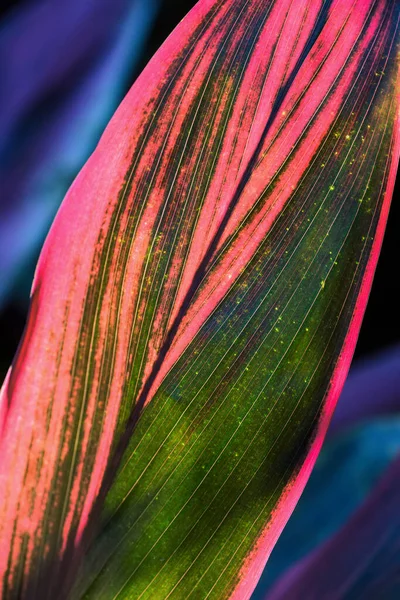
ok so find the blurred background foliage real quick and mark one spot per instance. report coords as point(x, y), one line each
point(65, 66)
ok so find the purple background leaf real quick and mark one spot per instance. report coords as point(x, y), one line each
point(373, 389)
point(64, 70)
point(362, 562)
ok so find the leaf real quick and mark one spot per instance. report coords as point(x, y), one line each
point(196, 305)
point(362, 561)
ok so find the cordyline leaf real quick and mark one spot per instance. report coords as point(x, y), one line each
point(196, 305)
point(362, 561)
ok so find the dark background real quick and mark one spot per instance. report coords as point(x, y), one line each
point(381, 326)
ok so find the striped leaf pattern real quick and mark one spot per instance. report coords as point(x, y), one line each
point(197, 303)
